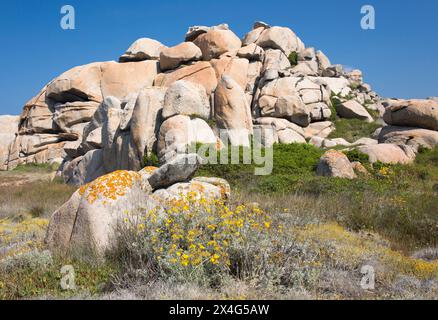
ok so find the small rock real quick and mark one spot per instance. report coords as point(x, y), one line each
point(335, 164)
point(181, 169)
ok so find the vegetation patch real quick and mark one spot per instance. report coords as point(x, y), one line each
point(293, 59)
point(151, 160)
point(353, 129)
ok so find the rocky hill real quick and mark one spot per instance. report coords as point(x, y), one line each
point(104, 116)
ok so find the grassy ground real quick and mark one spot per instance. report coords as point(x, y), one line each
point(31, 190)
point(28, 197)
point(315, 236)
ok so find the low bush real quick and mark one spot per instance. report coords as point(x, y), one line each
point(293, 59)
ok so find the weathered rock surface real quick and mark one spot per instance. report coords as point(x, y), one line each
point(200, 73)
point(297, 99)
point(171, 58)
point(71, 114)
point(88, 221)
point(181, 169)
point(319, 129)
point(196, 31)
point(178, 133)
point(280, 38)
point(95, 81)
point(232, 111)
point(353, 110)
point(217, 42)
point(235, 68)
point(146, 121)
point(252, 52)
point(186, 98)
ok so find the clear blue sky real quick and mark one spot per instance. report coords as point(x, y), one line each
point(399, 58)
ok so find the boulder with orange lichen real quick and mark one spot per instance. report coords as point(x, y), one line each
point(196, 188)
point(88, 220)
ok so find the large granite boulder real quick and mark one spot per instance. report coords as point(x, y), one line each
point(95, 81)
point(186, 98)
point(388, 153)
point(180, 132)
point(143, 49)
point(412, 113)
point(353, 110)
point(171, 58)
point(89, 220)
point(200, 73)
point(280, 38)
point(232, 111)
point(215, 42)
point(413, 137)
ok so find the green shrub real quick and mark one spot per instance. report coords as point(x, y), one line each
point(151, 160)
point(290, 164)
point(293, 59)
point(334, 101)
point(356, 155)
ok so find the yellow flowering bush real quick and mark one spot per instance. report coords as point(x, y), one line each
point(193, 235)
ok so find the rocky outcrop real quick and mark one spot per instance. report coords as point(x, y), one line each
point(299, 100)
point(158, 101)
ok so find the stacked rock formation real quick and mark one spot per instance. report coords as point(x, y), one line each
point(157, 100)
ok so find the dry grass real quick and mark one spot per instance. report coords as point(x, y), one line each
point(31, 191)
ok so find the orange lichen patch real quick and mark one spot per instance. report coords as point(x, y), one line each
point(150, 170)
point(197, 187)
point(110, 186)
